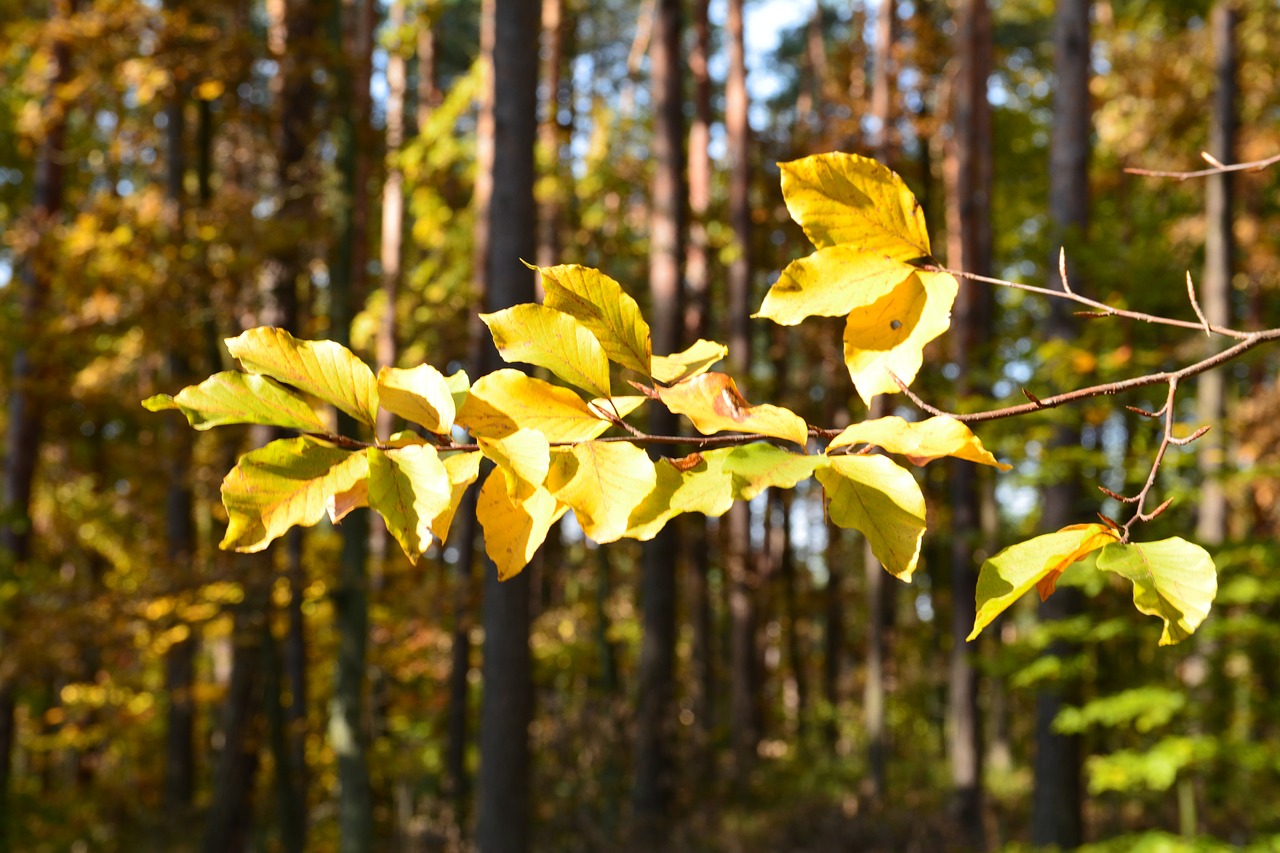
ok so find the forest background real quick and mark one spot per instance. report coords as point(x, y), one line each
point(174, 173)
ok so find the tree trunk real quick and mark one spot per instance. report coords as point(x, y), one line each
point(652, 787)
point(697, 263)
point(1057, 802)
point(549, 135)
point(967, 171)
point(507, 709)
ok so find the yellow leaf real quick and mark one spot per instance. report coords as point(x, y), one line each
point(507, 400)
point(463, 468)
point(420, 395)
point(846, 198)
point(890, 334)
point(524, 457)
point(620, 406)
point(513, 530)
point(759, 466)
point(601, 305)
point(695, 483)
point(408, 487)
point(830, 283)
point(1037, 562)
point(920, 441)
point(354, 498)
point(231, 397)
point(876, 496)
point(695, 360)
point(713, 403)
point(324, 369)
point(291, 481)
point(536, 334)
point(603, 482)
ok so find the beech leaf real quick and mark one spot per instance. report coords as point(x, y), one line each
point(759, 466)
point(463, 469)
point(420, 395)
point(408, 487)
point(1038, 562)
point(524, 457)
point(879, 498)
point(513, 529)
point(232, 397)
point(694, 483)
point(714, 404)
point(603, 482)
point(536, 334)
point(1173, 579)
point(920, 441)
point(324, 369)
point(600, 304)
point(693, 361)
point(830, 283)
point(291, 481)
point(507, 400)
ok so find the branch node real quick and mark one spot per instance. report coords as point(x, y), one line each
point(1032, 397)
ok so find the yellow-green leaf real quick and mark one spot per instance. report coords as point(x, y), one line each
point(846, 198)
point(459, 386)
point(524, 457)
point(291, 481)
point(603, 482)
point(695, 360)
point(694, 483)
point(830, 283)
point(876, 496)
point(536, 334)
point(323, 369)
point(601, 305)
point(714, 404)
point(759, 466)
point(420, 395)
point(513, 530)
point(920, 441)
point(1173, 579)
point(232, 397)
point(890, 334)
point(463, 468)
point(507, 400)
point(1037, 562)
point(408, 487)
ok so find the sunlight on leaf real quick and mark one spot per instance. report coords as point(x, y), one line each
point(879, 498)
point(600, 304)
point(513, 530)
point(408, 487)
point(524, 457)
point(830, 283)
point(1037, 562)
point(1173, 579)
point(463, 469)
point(693, 361)
point(759, 466)
point(507, 400)
point(420, 395)
point(695, 483)
point(536, 334)
point(232, 397)
point(713, 403)
point(603, 482)
point(920, 441)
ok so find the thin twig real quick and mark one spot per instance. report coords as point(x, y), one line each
point(1253, 166)
point(1191, 294)
point(1062, 270)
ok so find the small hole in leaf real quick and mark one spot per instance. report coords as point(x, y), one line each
point(895, 324)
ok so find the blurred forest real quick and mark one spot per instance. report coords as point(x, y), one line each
point(174, 172)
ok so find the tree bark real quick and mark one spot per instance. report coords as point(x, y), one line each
point(652, 786)
point(507, 708)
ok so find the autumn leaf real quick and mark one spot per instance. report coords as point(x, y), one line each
point(693, 361)
point(324, 369)
point(831, 283)
point(513, 529)
point(920, 441)
point(879, 498)
point(714, 404)
point(408, 487)
point(232, 397)
point(603, 482)
point(695, 483)
point(1038, 562)
point(536, 334)
point(291, 481)
point(759, 466)
point(600, 304)
point(507, 400)
point(524, 457)
point(463, 469)
point(846, 198)
point(1173, 579)
point(420, 395)
point(888, 336)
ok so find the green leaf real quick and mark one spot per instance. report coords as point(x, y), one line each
point(323, 369)
point(514, 529)
point(463, 469)
point(1038, 562)
point(232, 397)
point(603, 482)
point(420, 395)
point(507, 400)
point(759, 466)
point(876, 496)
point(408, 487)
point(601, 305)
point(695, 360)
point(830, 283)
point(714, 404)
point(694, 483)
point(920, 441)
point(524, 457)
point(890, 334)
point(536, 334)
point(847, 198)
point(291, 481)
point(1173, 579)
